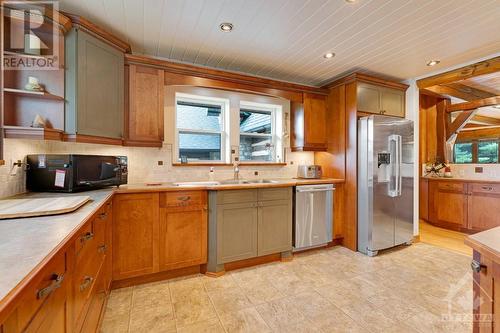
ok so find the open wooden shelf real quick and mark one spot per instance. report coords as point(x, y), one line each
point(20, 132)
point(25, 55)
point(36, 94)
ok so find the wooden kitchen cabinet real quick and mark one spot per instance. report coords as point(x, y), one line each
point(274, 227)
point(483, 206)
point(183, 216)
point(308, 123)
point(94, 83)
point(460, 205)
point(250, 223)
point(135, 234)
point(372, 98)
point(44, 303)
point(236, 231)
point(144, 116)
point(448, 204)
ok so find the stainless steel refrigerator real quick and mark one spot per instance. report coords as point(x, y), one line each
point(385, 183)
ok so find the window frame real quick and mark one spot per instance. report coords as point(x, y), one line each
point(224, 131)
point(276, 111)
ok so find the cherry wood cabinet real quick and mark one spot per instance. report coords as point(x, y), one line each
point(308, 123)
point(144, 111)
point(183, 216)
point(135, 234)
point(483, 206)
point(448, 204)
point(460, 205)
point(68, 293)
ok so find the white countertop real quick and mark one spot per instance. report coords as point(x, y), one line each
point(26, 242)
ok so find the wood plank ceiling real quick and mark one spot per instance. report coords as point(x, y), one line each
point(286, 39)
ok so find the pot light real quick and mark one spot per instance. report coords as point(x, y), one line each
point(226, 27)
point(350, 1)
point(433, 62)
point(329, 55)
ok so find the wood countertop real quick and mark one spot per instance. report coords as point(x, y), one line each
point(165, 187)
point(464, 180)
point(486, 242)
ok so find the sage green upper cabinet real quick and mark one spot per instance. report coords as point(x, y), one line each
point(381, 100)
point(94, 86)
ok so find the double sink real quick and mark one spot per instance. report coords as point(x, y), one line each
point(227, 182)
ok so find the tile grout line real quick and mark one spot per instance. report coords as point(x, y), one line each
point(213, 306)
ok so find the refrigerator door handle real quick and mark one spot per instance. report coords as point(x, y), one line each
point(395, 146)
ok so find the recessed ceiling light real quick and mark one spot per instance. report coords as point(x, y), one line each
point(350, 1)
point(329, 55)
point(226, 27)
point(497, 106)
point(433, 62)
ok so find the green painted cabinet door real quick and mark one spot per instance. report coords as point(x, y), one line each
point(94, 86)
point(236, 231)
point(274, 227)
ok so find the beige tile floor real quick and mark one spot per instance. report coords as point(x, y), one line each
point(421, 288)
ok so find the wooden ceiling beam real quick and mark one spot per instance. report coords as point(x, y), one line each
point(487, 120)
point(459, 91)
point(480, 68)
point(459, 123)
point(490, 101)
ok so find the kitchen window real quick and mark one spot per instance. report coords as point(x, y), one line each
point(259, 125)
point(482, 151)
point(200, 129)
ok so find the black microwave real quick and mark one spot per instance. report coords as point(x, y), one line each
point(74, 173)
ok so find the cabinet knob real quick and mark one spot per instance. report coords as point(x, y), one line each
point(102, 249)
point(87, 281)
point(477, 266)
point(103, 216)
point(86, 237)
point(57, 280)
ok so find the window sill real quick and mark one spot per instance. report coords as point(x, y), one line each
point(262, 163)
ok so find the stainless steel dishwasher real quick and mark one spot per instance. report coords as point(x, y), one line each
point(313, 216)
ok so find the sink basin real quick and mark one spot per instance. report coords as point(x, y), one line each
point(262, 181)
point(249, 181)
point(194, 184)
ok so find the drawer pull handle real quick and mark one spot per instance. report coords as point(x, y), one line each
point(487, 188)
point(87, 281)
point(185, 198)
point(86, 237)
point(57, 280)
point(102, 216)
point(102, 249)
point(476, 266)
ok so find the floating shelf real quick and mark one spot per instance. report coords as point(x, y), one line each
point(20, 132)
point(36, 94)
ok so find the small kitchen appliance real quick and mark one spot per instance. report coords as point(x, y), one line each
point(74, 173)
point(309, 171)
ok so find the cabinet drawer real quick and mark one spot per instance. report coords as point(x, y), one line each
point(50, 280)
point(282, 193)
point(484, 188)
point(96, 303)
point(184, 198)
point(453, 187)
point(88, 263)
point(236, 196)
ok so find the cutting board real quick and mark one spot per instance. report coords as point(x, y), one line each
point(15, 208)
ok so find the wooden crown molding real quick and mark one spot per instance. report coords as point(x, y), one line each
point(360, 77)
point(81, 22)
point(480, 68)
point(215, 74)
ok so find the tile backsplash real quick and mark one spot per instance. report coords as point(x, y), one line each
point(143, 163)
point(489, 171)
